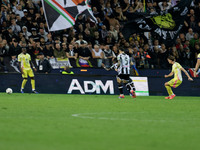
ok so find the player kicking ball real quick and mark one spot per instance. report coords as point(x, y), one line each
point(123, 77)
point(177, 80)
point(25, 66)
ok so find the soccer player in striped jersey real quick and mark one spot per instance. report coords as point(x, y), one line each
point(197, 65)
point(177, 80)
point(25, 66)
point(123, 77)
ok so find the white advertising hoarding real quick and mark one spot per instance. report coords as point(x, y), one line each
point(141, 85)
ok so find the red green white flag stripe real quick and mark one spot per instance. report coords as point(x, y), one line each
point(65, 20)
point(62, 14)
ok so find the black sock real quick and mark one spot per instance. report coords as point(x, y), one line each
point(120, 87)
point(130, 86)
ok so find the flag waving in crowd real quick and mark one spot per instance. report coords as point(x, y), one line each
point(62, 14)
point(166, 25)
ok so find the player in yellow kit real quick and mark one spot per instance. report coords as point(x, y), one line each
point(25, 66)
point(197, 65)
point(177, 80)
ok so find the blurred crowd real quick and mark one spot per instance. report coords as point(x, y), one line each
point(22, 24)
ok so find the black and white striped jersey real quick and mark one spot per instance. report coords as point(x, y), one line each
point(124, 61)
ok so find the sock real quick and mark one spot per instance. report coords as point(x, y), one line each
point(23, 83)
point(120, 87)
point(33, 84)
point(169, 90)
point(130, 86)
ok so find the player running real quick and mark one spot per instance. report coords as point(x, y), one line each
point(197, 65)
point(123, 77)
point(177, 80)
point(25, 66)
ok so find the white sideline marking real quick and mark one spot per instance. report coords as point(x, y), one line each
point(85, 116)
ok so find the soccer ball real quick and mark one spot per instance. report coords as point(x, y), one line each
point(9, 90)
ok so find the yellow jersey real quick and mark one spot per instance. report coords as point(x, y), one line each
point(176, 69)
point(25, 59)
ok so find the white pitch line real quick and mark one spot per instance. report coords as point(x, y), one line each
point(84, 116)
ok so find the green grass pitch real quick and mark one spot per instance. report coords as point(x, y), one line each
point(98, 122)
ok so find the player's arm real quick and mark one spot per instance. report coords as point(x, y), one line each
point(196, 67)
point(189, 78)
point(20, 66)
point(169, 75)
point(32, 65)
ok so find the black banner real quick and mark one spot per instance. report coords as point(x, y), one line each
point(166, 26)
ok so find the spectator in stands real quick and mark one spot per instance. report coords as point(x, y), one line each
point(164, 6)
point(187, 56)
point(107, 9)
point(174, 52)
point(97, 55)
point(119, 14)
point(19, 21)
point(197, 49)
point(35, 36)
point(114, 33)
point(112, 21)
point(43, 33)
point(163, 56)
point(14, 50)
point(3, 53)
point(49, 38)
point(9, 35)
point(108, 56)
point(143, 58)
point(194, 40)
point(190, 34)
point(104, 32)
point(24, 18)
point(155, 60)
point(64, 38)
point(88, 35)
point(81, 40)
point(48, 51)
point(96, 13)
point(59, 52)
point(25, 32)
point(84, 56)
point(19, 11)
point(64, 46)
point(115, 50)
point(72, 54)
point(182, 38)
point(43, 64)
point(96, 39)
point(15, 28)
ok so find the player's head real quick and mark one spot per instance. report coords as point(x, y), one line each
point(171, 59)
point(121, 50)
point(24, 50)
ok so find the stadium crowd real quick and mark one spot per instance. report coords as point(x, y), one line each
point(22, 24)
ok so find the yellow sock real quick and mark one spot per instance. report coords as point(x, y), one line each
point(169, 90)
point(23, 83)
point(33, 84)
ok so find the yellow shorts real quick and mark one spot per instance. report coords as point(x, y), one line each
point(27, 73)
point(174, 83)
